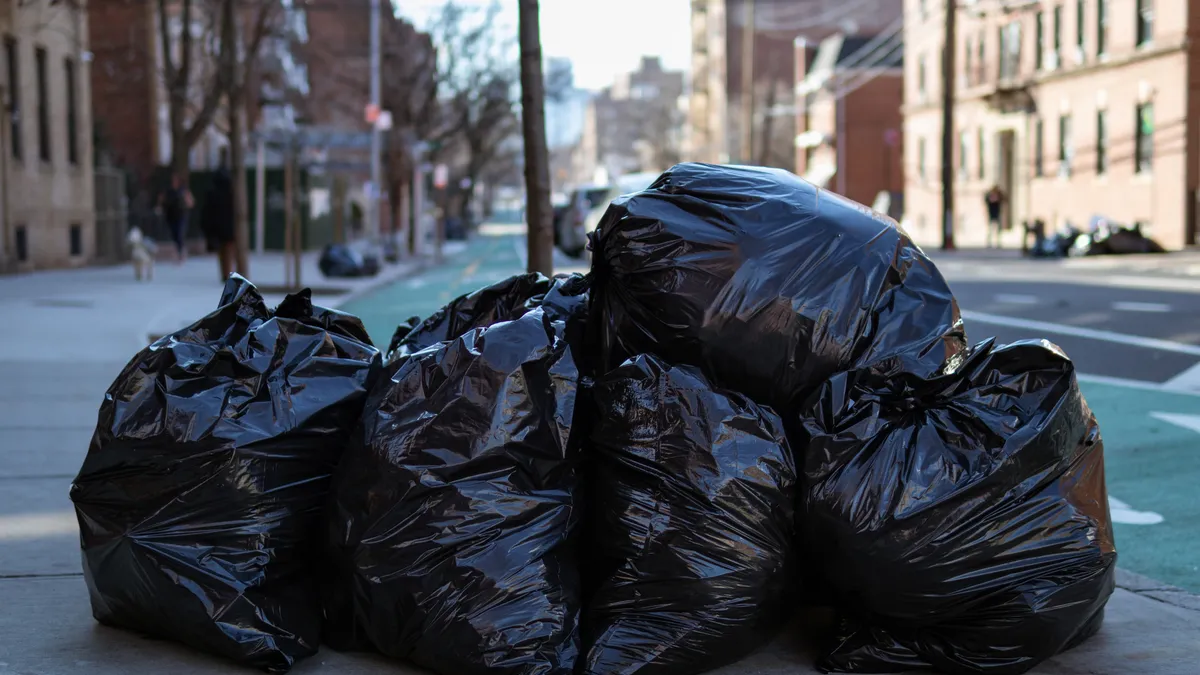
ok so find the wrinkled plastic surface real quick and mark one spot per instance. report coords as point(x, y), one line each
point(201, 496)
point(962, 520)
point(691, 494)
point(452, 521)
point(767, 282)
point(339, 260)
point(503, 301)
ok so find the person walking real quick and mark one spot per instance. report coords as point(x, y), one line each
point(994, 200)
point(216, 219)
point(174, 205)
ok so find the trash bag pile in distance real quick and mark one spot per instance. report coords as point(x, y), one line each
point(691, 494)
point(767, 282)
point(201, 497)
point(451, 523)
point(502, 301)
point(962, 519)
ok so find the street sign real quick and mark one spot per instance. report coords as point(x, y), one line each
point(441, 176)
point(384, 121)
point(371, 114)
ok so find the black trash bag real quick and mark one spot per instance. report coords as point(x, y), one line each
point(451, 526)
point(962, 520)
point(340, 260)
point(767, 282)
point(691, 496)
point(201, 497)
point(503, 301)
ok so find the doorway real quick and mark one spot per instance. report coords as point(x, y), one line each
point(1006, 168)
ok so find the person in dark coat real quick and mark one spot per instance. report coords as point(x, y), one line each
point(217, 218)
point(174, 206)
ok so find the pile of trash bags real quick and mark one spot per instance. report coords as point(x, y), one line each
point(760, 398)
point(340, 260)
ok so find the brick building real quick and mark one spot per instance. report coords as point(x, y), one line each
point(1074, 108)
point(46, 178)
point(848, 118)
point(636, 124)
point(720, 106)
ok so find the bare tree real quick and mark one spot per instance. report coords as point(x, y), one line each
point(246, 24)
point(194, 87)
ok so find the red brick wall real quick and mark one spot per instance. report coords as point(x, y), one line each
point(871, 165)
point(124, 77)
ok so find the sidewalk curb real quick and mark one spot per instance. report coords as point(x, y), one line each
point(1156, 590)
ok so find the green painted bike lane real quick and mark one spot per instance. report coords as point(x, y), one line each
point(485, 261)
point(1152, 465)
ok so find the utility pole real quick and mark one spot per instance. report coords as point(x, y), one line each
point(376, 133)
point(540, 237)
point(949, 47)
point(748, 33)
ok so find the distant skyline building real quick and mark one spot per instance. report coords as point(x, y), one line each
point(565, 114)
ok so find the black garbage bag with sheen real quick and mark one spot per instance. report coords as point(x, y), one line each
point(691, 496)
point(962, 520)
point(502, 301)
point(201, 498)
point(769, 283)
point(452, 522)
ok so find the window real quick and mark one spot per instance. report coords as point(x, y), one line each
point(1101, 27)
point(21, 236)
point(72, 112)
point(1101, 142)
point(1144, 139)
point(76, 241)
point(921, 77)
point(1056, 61)
point(921, 158)
point(43, 105)
point(1039, 23)
point(1010, 50)
point(980, 64)
point(968, 71)
point(1039, 149)
point(13, 89)
point(963, 171)
point(1066, 151)
point(1080, 29)
point(1145, 22)
point(982, 153)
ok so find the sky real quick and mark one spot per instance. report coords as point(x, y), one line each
point(601, 43)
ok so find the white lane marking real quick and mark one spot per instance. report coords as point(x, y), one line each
point(522, 253)
point(24, 526)
point(1186, 382)
point(1154, 307)
point(1089, 333)
point(1135, 384)
point(1011, 299)
point(1123, 513)
point(417, 283)
point(1190, 422)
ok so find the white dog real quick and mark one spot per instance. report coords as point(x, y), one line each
point(143, 254)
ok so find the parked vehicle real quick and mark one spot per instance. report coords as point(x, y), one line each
point(569, 234)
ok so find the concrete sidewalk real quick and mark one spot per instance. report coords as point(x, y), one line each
point(66, 336)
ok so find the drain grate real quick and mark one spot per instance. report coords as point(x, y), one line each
point(63, 302)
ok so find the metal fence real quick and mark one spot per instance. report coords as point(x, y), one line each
point(112, 215)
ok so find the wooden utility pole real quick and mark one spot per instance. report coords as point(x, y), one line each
point(748, 33)
point(949, 47)
point(540, 237)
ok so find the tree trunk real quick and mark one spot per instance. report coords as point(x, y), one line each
point(537, 157)
point(241, 208)
point(768, 125)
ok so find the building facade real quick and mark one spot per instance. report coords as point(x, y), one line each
point(46, 177)
point(1074, 108)
point(848, 118)
point(755, 124)
point(636, 124)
